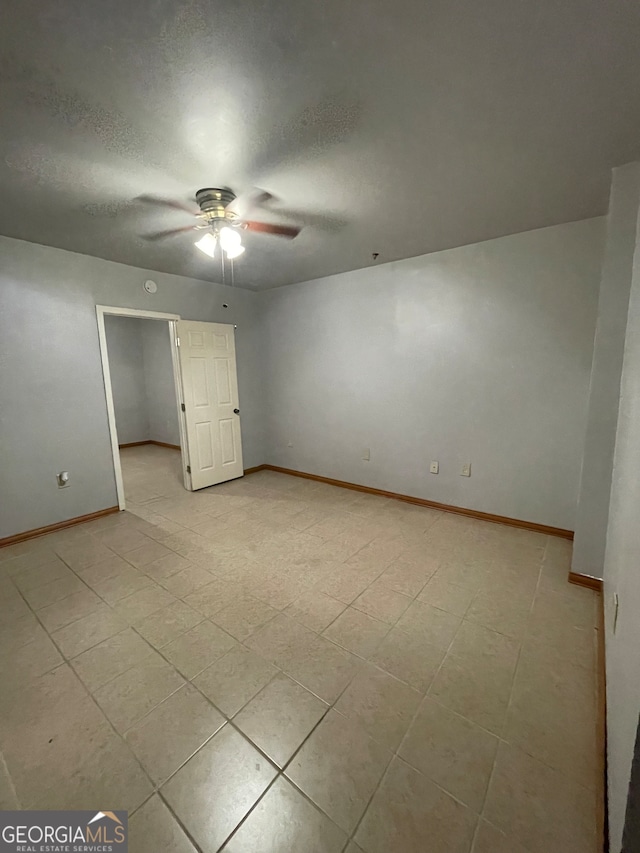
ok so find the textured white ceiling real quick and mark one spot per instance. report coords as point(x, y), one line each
point(393, 127)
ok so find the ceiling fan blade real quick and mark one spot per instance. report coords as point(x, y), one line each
point(289, 231)
point(160, 235)
point(167, 202)
point(245, 202)
point(328, 221)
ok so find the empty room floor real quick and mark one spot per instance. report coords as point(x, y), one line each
point(279, 665)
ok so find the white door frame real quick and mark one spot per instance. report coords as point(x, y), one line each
point(101, 312)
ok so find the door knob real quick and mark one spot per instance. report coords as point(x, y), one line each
point(236, 411)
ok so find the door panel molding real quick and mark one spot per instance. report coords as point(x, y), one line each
point(207, 358)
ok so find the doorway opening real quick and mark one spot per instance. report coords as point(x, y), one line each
point(185, 373)
point(143, 392)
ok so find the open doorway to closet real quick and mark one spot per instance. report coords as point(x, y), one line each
point(146, 406)
point(170, 385)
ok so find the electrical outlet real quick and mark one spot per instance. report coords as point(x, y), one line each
point(466, 470)
point(434, 467)
point(366, 454)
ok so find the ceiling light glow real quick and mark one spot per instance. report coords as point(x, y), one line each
point(234, 252)
point(207, 244)
point(231, 242)
point(229, 238)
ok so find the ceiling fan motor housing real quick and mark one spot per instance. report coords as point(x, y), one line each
point(213, 202)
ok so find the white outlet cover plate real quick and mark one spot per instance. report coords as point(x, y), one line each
point(434, 468)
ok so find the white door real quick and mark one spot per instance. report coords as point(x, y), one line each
point(207, 355)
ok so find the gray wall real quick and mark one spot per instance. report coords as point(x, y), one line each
point(161, 408)
point(593, 503)
point(479, 354)
point(128, 384)
point(142, 380)
point(53, 415)
point(476, 354)
point(622, 571)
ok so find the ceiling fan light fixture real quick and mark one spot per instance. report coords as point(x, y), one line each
point(234, 252)
point(207, 244)
point(231, 242)
point(229, 238)
point(224, 220)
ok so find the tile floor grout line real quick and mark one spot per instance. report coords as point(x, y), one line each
point(108, 721)
point(282, 770)
point(10, 779)
point(184, 828)
point(58, 601)
point(404, 737)
point(43, 586)
point(124, 671)
point(48, 634)
point(352, 834)
point(89, 589)
point(506, 713)
point(157, 786)
point(250, 811)
point(143, 803)
point(228, 719)
point(362, 661)
point(482, 728)
point(281, 774)
point(128, 669)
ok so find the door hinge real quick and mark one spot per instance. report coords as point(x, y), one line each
point(182, 407)
point(188, 469)
point(177, 341)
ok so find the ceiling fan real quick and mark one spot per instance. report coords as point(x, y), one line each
point(223, 216)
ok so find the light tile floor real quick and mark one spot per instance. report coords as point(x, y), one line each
point(277, 665)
